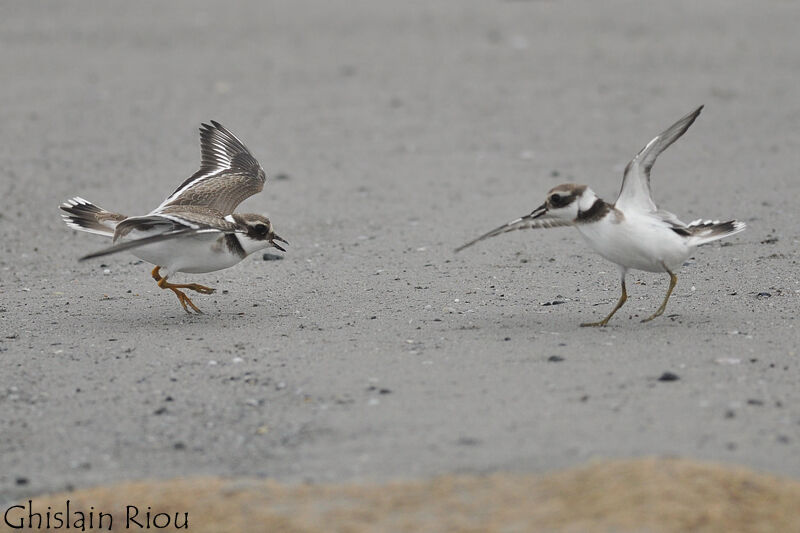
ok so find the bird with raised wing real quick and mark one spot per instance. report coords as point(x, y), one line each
point(195, 229)
point(632, 232)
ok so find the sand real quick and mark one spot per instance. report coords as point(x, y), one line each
point(645, 495)
point(392, 133)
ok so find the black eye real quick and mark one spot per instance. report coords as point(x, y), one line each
point(556, 200)
point(261, 229)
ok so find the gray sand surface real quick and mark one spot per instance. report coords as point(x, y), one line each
point(401, 130)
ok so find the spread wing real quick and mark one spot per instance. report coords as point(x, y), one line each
point(228, 174)
point(162, 227)
point(635, 192)
point(526, 222)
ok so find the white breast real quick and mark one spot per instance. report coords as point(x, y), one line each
point(196, 254)
point(637, 240)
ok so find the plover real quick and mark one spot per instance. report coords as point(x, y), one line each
point(632, 232)
point(195, 229)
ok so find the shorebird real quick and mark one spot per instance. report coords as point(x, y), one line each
point(195, 229)
point(632, 232)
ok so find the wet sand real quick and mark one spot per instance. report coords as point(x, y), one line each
point(392, 133)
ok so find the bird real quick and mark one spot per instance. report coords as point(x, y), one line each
point(632, 232)
point(194, 230)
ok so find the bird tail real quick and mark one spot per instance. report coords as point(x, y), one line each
point(703, 231)
point(83, 215)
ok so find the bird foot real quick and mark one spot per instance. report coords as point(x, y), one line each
point(654, 315)
point(600, 324)
point(202, 289)
point(184, 300)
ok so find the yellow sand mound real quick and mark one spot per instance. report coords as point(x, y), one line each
point(646, 495)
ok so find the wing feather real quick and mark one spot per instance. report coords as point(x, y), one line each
point(170, 225)
point(526, 222)
point(229, 173)
point(635, 192)
point(127, 245)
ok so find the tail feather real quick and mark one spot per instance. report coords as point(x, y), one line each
point(703, 231)
point(83, 215)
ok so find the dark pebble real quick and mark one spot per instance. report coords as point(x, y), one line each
point(730, 413)
point(271, 257)
point(762, 295)
point(179, 446)
point(160, 411)
point(281, 176)
point(384, 391)
point(21, 481)
point(669, 376)
point(755, 401)
point(555, 359)
point(554, 302)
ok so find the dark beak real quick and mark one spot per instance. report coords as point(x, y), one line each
point(276, 238)
point(539, 211)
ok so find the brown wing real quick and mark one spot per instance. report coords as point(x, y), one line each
point(173, 223)
point(228, 174)
point(174, 218)
point(526, 222)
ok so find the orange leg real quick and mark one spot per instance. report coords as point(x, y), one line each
point(182, 298)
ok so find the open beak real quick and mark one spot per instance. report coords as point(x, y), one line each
point(278, 246)
point(539, 211)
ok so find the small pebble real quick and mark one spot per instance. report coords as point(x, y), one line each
point(669, 376)
point(555, 359)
